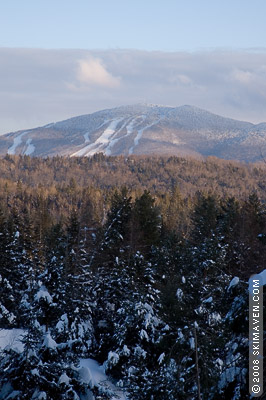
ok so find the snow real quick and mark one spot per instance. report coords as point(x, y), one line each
point(262, 277)
point(219, 362)
point(86, 376)
point(113, 358)
point(16, 142)
point(64, 379)
point(125, 350)
point(3, 311)
point(12, 339)
point(130, 129)
point(13, 395)
point(35, 372)
point(49, 342)
point(82, 152)
point(143, 335)
point(39, 395)
point(230, 374)
point(233, 283)
point(132, 371)
point(166, 328)
point(179, 294)
point(138, 351)
point(161, 358)
point(208, 300)
point(109, 138)
point(30, 148)
point(209, 126)
point(108, 132)
point(62, 324)
point(43, 294)
point(86, 135)
point(93, 374)
point(139, 135)
point(214, 318)
point(192, 343)
point(101, 142)
point(83, 328)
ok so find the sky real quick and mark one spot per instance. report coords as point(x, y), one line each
point(61, 58)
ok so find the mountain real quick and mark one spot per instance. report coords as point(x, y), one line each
point(143, 129)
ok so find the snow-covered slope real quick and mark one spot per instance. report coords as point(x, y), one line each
point(143, 129)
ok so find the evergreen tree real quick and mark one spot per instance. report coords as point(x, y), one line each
point(116, 229)
point(44, 369)
point(146, 223)
point(7, 298)
point(204, 217)
point(14, 273)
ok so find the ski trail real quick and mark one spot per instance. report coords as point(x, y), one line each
point(129, 129)
point(86, 135)
point(30, 148)
point(16, 142)
point(107, 133)
point(139, 135)
point(100, 142)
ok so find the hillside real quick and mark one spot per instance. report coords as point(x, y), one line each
point(143, 130)
point(158, 174)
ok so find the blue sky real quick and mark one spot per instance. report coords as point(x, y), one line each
point(169, 25)
point(62, 58)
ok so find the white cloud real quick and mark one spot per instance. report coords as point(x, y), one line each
point(177, 79)
point(93, 72)
point(241, 76)
point(184, 79)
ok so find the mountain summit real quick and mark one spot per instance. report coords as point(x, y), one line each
point(143, 129)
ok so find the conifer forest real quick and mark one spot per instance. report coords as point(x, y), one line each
point(127, 278)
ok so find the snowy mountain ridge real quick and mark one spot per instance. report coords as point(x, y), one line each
point(142, 129)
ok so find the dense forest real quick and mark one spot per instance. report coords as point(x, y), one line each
point(139, 263)
point(156, 174)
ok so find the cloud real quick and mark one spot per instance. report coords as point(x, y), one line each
point(184, 79)
point(241, 76)
point(93, 72)
point(41, 86)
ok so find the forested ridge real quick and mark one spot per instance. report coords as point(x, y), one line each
point(137, 172)
point(140, 263)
